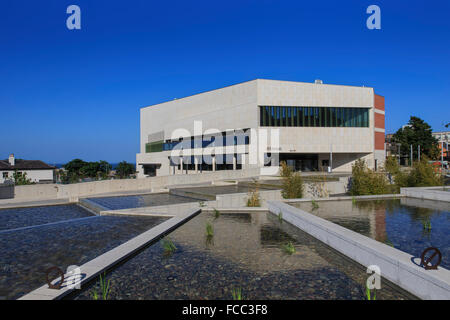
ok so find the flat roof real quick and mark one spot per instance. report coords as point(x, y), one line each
point(239, 83)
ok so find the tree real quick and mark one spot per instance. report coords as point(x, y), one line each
point(124, 169)
point(75, 166)
point(418, 132)
point(104, 166)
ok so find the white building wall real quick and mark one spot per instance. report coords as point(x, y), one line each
point(236, 107)
point(33, 175)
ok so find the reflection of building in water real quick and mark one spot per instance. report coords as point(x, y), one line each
point(380, 224)
point(365, 217)
point(253, 241)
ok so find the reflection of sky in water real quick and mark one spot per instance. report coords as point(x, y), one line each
point(23, 217)
point(147, 200)
point(397, 222)
point(404, 228)
point(27, 252)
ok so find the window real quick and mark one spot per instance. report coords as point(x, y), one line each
point(5, 175)
point(272, 116)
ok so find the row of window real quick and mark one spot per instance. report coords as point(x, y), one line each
point(271, 116)
point(195, 142)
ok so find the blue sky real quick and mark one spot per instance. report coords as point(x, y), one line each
point(76, 94)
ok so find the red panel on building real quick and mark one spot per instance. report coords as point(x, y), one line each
point(379, 120)
point(379, 140)
point(379, 102)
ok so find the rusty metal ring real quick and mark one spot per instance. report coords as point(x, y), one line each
point(428, 265)
point(60, 272)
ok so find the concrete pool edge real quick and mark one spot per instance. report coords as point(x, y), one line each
point(396, 266)
point(98, 265)
point(428, 193)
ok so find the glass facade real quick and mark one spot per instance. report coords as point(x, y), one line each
point(271, 116)
point(220, 140)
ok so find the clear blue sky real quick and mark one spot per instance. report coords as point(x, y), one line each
point(67, 94)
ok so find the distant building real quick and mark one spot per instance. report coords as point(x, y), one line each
point(37, 171)
point(443, 137)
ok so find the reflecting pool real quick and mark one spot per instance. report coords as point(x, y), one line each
point(24, 217)
point(27, 252)
point(246, 252)
point(402, 223)
point(137, 201)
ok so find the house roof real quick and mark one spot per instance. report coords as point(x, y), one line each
point(25, 165)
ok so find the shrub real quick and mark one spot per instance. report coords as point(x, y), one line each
point(391, 165)
point(366, 181)
point(20, 179)
point(253, 198)
point(292, 186)
point(423, 174)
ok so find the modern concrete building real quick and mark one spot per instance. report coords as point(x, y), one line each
point(311, 126)
point(35, 170)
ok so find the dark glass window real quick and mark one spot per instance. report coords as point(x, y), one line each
point(313, 117)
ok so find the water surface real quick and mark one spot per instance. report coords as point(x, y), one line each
point(137, 201)
point(396, 222)
point(26, 253)
point(246, 252)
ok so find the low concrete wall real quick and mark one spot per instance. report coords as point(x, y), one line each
point(36, 191)
point(239, 200)
point(396, 266)
point(429, 193)
point(85, 189)
point(153, 184)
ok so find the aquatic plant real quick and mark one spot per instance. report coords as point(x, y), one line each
point(314, 204)
point(389, 243)
point(104, 288)
point(280, 216)
point(236, 293)
point(168, 245)
point(289, 248)
point(216, 213)
point(369, 294)
point(426, 225)
point(209, 230)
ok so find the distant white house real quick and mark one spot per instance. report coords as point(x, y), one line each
point(36, 170)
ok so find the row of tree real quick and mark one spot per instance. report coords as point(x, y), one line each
point(78, 169)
